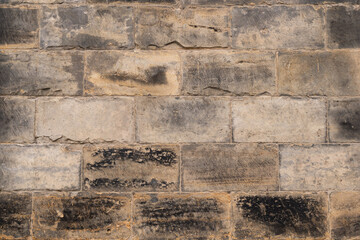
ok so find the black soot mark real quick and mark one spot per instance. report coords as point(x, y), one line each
point(153, 76)
point(109, 157)
point(347, 116)
point(87, 213)
point(117, 183)
point(299, 215)
point(349, 229)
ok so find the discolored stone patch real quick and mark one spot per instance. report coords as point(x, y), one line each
point(333, 73)
point(320, 167)
point(228, 73)
point(343, 29)
point(280, 216)
point(85, 119)
point(41, 73)
point(229, 167)
point(17, 119)
point(264, 2)
point(81, 216)
point(39, 167)
point(345, 215)
point(15, 215)
point(280, 27)
point(132, 73)
point(89, 27)
point(161, 27)
point(182, 216)
point(266, 119)
point(170, 120)
point(344, 120)
point(18, 27)
point(131, 168)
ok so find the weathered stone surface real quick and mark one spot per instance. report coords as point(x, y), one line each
point(132, 73)
point(343, 28)
point(17, 119)
point(320, 167)
point(27, 167)
point(344, 120)
point(41, 73)
point(319, 73)
point(41, 1)
point(18, 27)
point(265, 2)
point(345, 215)
point(280, 216)
point(160, 27)
point(229, 167)
point(76, 216)
point(170, 119)
point(15, 215)
point(228, 73)
point(85, 119)
point(280, 27)
point(134, 1)
point(182, 216)
point(131, 168)
point(95, 27)
point(279, 119)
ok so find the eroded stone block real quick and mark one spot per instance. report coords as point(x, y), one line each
point(170, 119)
point(229, 167)
point(132, 73)
point(228, 73)
point(185, 216)
point(132, 168)
point(320, 167)
point(280, 216)
point(41, 73)
point(94, 27)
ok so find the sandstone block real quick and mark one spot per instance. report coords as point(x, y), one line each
point(229, 167)
point(320, 167)
point(85, 119)
point(182, 120)
point(264, 2)
point(132, 73)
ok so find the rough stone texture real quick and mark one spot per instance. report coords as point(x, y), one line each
point(15, 215)
point(18, 27)
point(282, 119)
point(182, 216)
point(344, 120)
point(229, 167)
point(94, 27)
point(169, 119)
point(343, 28)
point(280, 27)
point(280, 216)
point(41, 73)
point(319, 73)
point(134, 1)
point(41, 1)
point(160, 27)
point(132, 73)
point(264, 2)
point(345, 215)
point(39, 167)
point(80, 216)
point(320, 167)
point(17, 119)
point(85, 119)
point(228, 73)
point(131, 168)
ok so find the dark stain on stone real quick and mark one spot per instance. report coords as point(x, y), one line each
point(347, 116)
point(117, 183)
point(182, 216)
point(73, 18)
point(301, 216)
point(154, 76)
point(90, 41)
point(350, 228)
point(18, 25)
point(344, 27)
point(110, 157)
point(15, 215)
point(144, 1)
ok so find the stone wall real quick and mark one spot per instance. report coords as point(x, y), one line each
point(180, 119)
